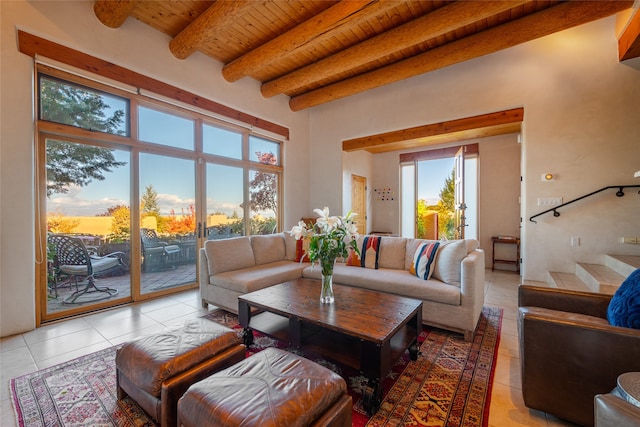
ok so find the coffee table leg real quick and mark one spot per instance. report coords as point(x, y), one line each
point(414, 350)
point(244, 317)
point(372, 396)
point(247, 336)
point(295, 329)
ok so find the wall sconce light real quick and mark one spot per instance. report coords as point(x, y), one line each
point(547, 177)
point(636, 175)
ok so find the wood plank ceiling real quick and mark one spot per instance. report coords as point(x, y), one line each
point(317, 51)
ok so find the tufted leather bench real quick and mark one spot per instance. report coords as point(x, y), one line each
point(155, 370)
point(271, 388)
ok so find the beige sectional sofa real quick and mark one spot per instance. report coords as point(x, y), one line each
point(452, 299)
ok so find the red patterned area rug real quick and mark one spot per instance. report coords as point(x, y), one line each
point(449, 385)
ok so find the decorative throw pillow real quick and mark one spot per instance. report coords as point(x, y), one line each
point(624, 307)
point(370, 252)
point(353, 259)
point(423, 260)
point(302, 246)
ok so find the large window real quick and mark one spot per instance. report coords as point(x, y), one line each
point(145, 180)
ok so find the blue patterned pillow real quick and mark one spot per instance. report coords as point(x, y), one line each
point(624, 307)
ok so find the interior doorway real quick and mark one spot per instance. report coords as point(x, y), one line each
point(359, 201)
point(438, 200)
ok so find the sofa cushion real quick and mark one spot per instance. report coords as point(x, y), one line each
point(289, 246)
point(370, 252)
point(423, 260)
point(268, 248)
point(258, 277)
point(448, 262)
point(624, 307)
point(398, 282)
point(392, 252)
point(229, 254)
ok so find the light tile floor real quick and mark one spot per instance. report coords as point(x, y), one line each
point(59, 342)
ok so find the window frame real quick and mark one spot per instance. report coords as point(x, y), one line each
point(137, 145)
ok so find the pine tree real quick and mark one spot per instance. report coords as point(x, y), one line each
point(76, 164)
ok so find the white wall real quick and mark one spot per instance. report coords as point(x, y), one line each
point(582, 110)
point(135, 46)
point(499, 195)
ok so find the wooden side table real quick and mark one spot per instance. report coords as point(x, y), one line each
point(506, 241)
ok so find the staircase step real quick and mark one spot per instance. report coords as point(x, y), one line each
point(604, 279)
point(599, 278)
point(623, 264)
point(567, 281)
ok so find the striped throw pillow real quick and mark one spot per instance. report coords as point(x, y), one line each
point(370, 252)
point(423, 260)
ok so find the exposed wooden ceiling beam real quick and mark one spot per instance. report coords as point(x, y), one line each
point(113, 13)
point(204, 27)
point(422, 29)
point(276, 48)
point(629, 41)
point(562, 16)
point(492, 124)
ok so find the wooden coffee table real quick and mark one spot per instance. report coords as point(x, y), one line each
point(363, 329)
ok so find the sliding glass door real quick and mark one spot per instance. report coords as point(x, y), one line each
point(129, 188)
point(167, 222)
point(88, 240)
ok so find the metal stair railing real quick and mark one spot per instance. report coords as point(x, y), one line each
point(619, 193)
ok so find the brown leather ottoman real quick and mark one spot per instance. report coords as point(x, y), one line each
point(155, 370)
point(271, 388)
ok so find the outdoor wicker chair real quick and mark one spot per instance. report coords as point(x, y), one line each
point(73, 260)
point(156, 253)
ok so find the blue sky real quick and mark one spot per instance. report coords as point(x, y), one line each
point(172, 178)
point(431, 176)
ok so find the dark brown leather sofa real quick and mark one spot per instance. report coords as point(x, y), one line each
point(568, 351)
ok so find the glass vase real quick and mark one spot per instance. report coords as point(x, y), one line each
point(326, 291)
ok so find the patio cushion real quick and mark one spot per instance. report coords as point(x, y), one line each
point(99, 265)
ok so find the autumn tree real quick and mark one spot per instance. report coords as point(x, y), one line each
point(184, 224)
point(121, 224)
point(263, 190)
point(77, 164)
point(58, 223)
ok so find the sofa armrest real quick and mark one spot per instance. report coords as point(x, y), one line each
point(588, 303)
point(567, 358)
point(612, 411)
point(472, 289)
